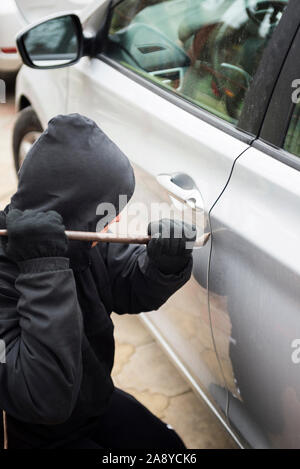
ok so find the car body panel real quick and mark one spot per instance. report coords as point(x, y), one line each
point(128, 112)
point(254, 298)
point(46, 92)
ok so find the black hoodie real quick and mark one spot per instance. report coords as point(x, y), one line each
point(55, 320)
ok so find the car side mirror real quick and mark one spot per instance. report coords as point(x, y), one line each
point(52, 43)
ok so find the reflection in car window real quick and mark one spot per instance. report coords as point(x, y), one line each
point(53, 39)
point(292, 141)
point(206, 51)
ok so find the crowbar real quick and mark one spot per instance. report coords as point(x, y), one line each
point(112, 238)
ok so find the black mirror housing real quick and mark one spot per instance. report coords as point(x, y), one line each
point(52, 43)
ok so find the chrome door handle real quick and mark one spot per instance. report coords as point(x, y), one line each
point(189, 196)
point(186, 193)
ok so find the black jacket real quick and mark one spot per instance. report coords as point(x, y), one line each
point(55, 320)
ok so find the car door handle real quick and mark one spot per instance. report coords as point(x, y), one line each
point(182, 187)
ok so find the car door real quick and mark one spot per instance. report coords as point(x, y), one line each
point(254, 274)
point(169, 88)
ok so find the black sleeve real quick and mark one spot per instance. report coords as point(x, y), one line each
point(41, 326)
point(137, 284)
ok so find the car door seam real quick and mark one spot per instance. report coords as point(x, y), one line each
point(207, 281)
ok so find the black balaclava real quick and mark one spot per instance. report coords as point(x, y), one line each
point(72, 168)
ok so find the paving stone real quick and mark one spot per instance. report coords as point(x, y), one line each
point(122, 355)
point(129, 329)
point(195, 423)
point(149, 369)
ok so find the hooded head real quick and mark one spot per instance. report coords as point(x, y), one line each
point(72, 169)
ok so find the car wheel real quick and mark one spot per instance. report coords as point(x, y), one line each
point(27, 130)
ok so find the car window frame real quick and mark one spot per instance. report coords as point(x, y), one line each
point(273, 132)
point(246, 130)
point(265, 80)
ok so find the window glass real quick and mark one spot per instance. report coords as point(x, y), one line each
point(52, 40)
point(292, 141)
point(206, 51)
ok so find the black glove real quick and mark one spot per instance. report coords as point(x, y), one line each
point(33, 234)
point(171, 245)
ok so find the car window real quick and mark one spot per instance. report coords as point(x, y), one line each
point(292, 140)
point(206, 51)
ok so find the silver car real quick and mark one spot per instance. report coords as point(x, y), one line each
point(207, 93)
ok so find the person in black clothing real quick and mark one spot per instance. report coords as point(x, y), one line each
point(56, 296)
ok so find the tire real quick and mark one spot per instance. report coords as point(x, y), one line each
point(27, 127)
